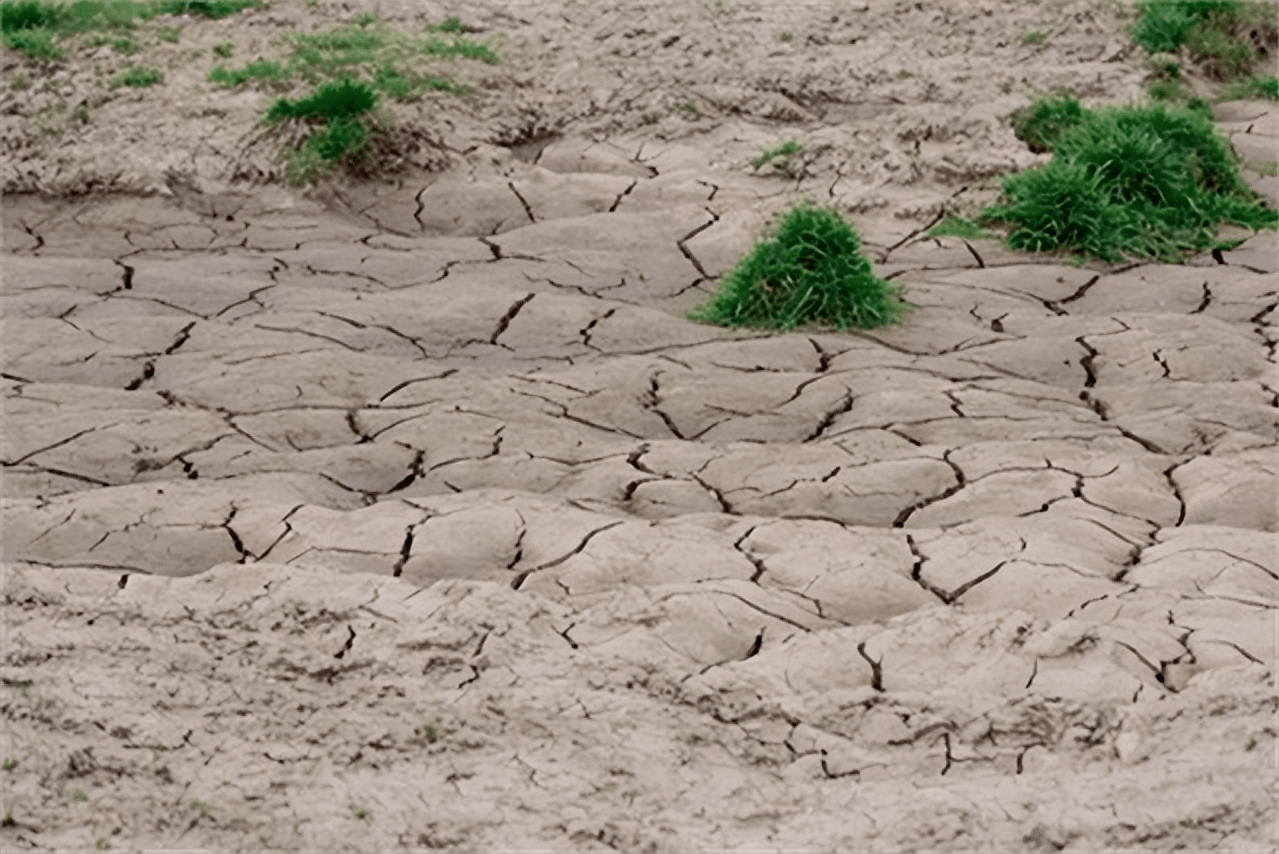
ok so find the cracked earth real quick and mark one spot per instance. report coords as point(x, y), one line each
point(417, 515)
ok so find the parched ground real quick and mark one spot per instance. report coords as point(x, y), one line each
point(413, 514)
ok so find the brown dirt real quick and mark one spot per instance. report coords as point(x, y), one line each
point(412, 514)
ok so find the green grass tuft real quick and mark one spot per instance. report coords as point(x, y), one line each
point(343, 106)
point(32, 27)
point(1163, 26)
point(36, 44)
point(215, 9)
point(1040, 124)
point(341, 99)
point(26, 15)
point(461, 47)
point(137, 77)
point(264, 70)
point(1150, 182)
point(957, 226)
point(450, 25)
point(1263, 87)
point(810, 270)
point(780, 157)
point(1225, 37)
point(120, 44)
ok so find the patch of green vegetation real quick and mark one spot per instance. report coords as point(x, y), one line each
point(362, 813)
point(1034, 37)
point(19, 82)
point(119, 44)
point(450, 25)
point(1166, 90)
point(903, 74)
point(1150, 181)
point(809, 270)
point(461, 47)
point(224, 50)
point(339, 48)
point(1269, 168)
point(339, 111)
point(9, 764)
point(363, 50)
point(1226, 38)
point(779, 156)
point(349, 66)
point(215, 9)
point(263, 70)
point(35, 44)
point(341, 99)
point(168, 34)
point(32, 26)
point(955, 225)
point(430, 731)
point(1164, 66)
point(785, 37)
point(200, 806)
point(1040, 124)
point(79, 795)
point(1262, 87)
point(137, 77)
point(102, 843)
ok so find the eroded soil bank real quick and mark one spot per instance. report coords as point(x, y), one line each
point(413, 514)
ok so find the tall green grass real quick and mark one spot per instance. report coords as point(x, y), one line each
point(1148, 181)
point(809, 270)
point(1226, 38)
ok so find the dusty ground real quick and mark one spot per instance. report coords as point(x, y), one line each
point(413, 515)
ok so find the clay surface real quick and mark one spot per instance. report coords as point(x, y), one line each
point(415, 515)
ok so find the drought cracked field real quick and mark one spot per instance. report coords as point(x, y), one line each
point(414, 514)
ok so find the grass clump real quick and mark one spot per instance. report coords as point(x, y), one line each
point(1034, 37)
point(342, 99)
point(1225, 37)
point(32, 27)
point(1040, 124)
point(957, 226)
point(262, 70)
point(119, 44)
point(341, 111)
point(35, 44)
point(137, 77)
point(780, 157)
point(1150, 182)
point(1262, 87)
point(450, 25)
point(809, 270)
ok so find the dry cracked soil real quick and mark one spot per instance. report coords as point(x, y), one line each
point(412, 514)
